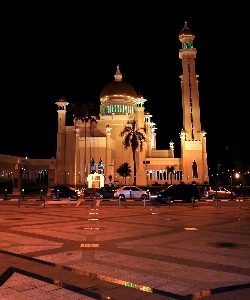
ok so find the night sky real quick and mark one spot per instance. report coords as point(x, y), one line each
point(55, 48)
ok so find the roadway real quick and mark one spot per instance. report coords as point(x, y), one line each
point(47, 202)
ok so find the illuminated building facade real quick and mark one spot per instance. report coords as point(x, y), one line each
point(102, 146)
point(119, 103)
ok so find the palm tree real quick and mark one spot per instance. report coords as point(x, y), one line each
point(171, 171)
point(133, 138)
point(124, 170)
point(84, 112)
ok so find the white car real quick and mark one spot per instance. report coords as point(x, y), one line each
point(131, 192)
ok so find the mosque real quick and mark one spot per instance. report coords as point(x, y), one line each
point(88, 147)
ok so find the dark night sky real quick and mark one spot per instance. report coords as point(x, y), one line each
point(50, 48)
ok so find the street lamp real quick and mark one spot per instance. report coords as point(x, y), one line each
point(231, 181)
point(237, 176)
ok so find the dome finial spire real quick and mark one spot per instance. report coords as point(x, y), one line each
point(118, 74)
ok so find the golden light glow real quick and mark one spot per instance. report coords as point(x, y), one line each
point(89, 245)
point(92, 228)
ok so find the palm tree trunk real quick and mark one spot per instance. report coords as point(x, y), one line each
point(134, 158)
point(75, 157)
point(90, 142)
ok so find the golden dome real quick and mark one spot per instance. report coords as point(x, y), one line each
point(118, 87)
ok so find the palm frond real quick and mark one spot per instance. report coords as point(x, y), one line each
point(126, 141)
point(85, 112)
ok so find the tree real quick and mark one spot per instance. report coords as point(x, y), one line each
point(84, 112)
point(171, 171)
point(133, 138)
point(124, 170)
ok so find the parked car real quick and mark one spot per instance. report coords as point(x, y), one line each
point(105, 192)
point(131, 192)
point(221, 193)
point(64, 192)
point(184, 192)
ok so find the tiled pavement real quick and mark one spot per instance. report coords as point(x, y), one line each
point(127, 252)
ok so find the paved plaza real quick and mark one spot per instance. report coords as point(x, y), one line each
point(125, 252)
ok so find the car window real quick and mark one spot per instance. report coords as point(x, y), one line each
point(134, 189)
point(61, 188)
point(127, 188)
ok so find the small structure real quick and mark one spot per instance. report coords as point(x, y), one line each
point(95, 180)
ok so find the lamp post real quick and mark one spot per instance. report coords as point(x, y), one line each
point(237, 176)
point(231, 182)
point(218, 166)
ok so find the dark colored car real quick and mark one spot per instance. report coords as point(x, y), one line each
point(184, 192)
point(64, 192)
point(106, 192)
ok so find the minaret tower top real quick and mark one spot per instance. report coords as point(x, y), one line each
point(186, 36)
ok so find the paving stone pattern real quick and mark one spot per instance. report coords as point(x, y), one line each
point(136, 252)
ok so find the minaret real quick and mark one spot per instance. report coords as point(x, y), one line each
point(171, 148)
point(193, 140)
point(61, 138)
point(189, 84)
point(139, 112)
